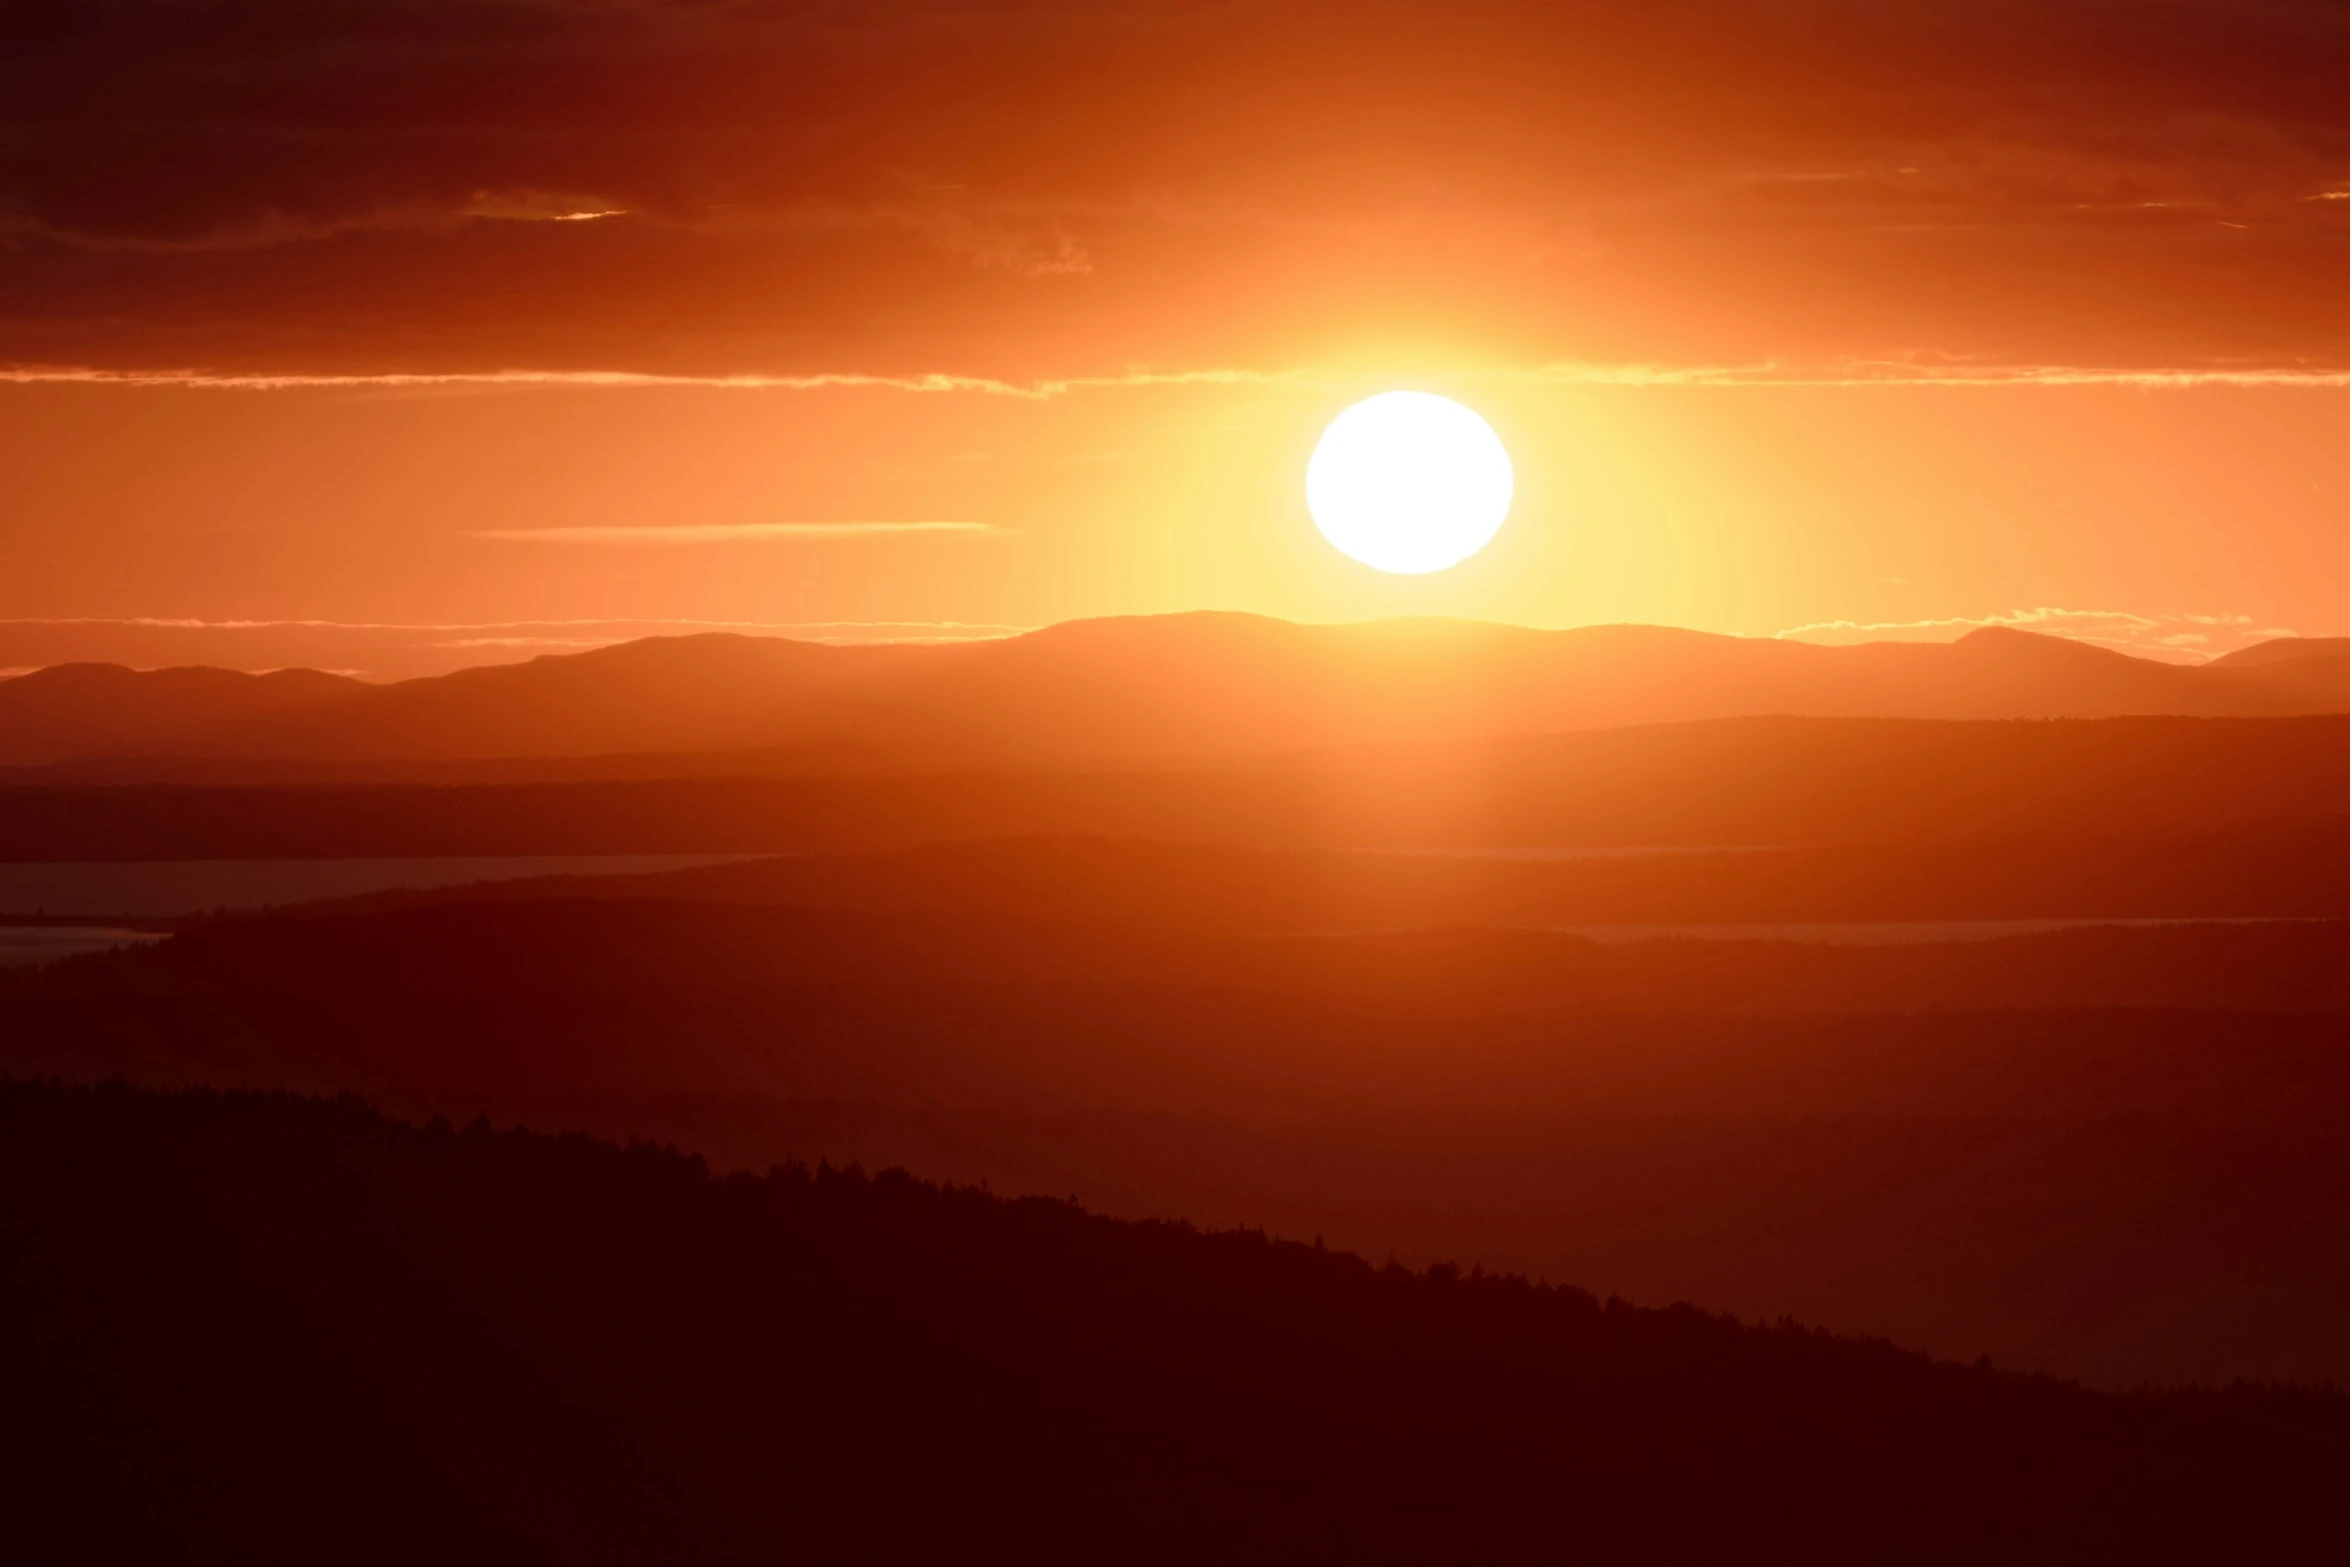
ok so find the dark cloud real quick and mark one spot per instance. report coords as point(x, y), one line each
point(914, 183)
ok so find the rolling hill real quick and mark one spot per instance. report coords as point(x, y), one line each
point(2296, 872)
point(1725, 783)
point(2109, 1153)
point(1162, 689)
point(270, 1330)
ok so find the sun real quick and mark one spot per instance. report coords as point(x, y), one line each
point(1409, 482)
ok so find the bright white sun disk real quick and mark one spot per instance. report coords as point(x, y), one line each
point(1409, 482)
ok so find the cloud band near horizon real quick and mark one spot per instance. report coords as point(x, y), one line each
point(1887, 374)
point(674, 534)
point(1039, 190)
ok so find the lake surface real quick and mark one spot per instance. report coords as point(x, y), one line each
point(23, 944)
point(166, 888)
point(1553, 851)
point(1851, 933)
point(1868, 933)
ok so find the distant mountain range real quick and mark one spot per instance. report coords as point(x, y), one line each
point(1162, 689)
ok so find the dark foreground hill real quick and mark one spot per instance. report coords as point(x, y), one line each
point(1163, 688)
point(270, 1330)
point(2112, 1153)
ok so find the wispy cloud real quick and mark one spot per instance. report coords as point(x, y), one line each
point(1898, 373)
point(1870, 373)
point(527, 380)
point(2178, 638)
point(397, 649)
point(195, 623)
point(728, 532)
point(532, 206)
point(583, 633)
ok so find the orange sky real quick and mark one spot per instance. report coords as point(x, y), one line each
point(1705, 268)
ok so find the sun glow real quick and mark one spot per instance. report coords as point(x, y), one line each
point(1409, 482)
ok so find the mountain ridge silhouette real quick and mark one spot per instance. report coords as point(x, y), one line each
point(1204, 685)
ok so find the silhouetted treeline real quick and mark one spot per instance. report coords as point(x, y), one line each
point(262, 1329)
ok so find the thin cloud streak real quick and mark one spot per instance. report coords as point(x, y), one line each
point(547, 642)
point(1566, 373)
point(929, 384)
point(975, 628)
point(407, 649)
point(1989, 376)
point(728, 532)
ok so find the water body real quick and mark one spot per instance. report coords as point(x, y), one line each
point(1571, 852)
point(1851, 933)
point(169, 888)
point(1868, 933)
point(25, 944)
